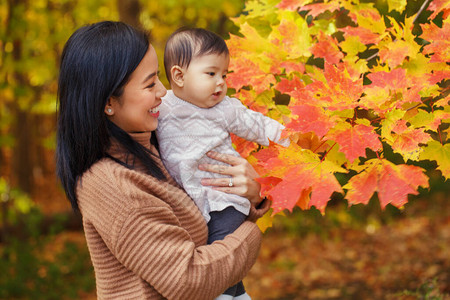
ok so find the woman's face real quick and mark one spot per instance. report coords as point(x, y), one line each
point(137, 109)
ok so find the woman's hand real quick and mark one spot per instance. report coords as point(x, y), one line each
point(241, 181)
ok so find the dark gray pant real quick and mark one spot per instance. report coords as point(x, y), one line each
point(220, 225)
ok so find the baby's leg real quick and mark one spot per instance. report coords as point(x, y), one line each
point(220, 225)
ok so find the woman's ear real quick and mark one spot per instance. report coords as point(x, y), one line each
point(177, 75)
point(109, 109)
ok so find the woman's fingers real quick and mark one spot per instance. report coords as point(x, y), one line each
point(219, 169)
point(221, 182)
point(226, 158)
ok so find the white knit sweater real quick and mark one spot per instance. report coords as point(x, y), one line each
point(187, 132)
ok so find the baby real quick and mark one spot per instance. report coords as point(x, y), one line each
point(197, 116)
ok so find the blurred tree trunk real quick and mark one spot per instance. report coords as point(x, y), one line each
point(129, 12)
point(22, 163)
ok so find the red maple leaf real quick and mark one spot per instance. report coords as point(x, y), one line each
point(322, 189)
point(408, 139)
point(246, 72)
point(243, 146)
point(395, 54)
point(438, 76)
point(310, 118)
point(392, 182)
point(436, 6)
point(287, 193)
point(327, 48)
point(319, 8)
point(439, 39)
point(295, 88)
point(395, 79)
point(354, 140)
point(365, 35)
point(292, 5)
point(339, 91)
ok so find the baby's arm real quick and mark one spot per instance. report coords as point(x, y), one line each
point(254, 126)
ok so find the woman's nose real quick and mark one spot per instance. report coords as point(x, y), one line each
point(162, 91)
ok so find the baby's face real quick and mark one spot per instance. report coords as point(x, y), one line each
point(204, 80)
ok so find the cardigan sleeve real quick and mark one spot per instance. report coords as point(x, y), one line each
point(254, 126)
point(152, 245)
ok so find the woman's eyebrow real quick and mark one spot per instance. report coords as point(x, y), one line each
point(150, 76)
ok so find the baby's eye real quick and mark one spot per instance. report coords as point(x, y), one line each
point(211, 73)
point(150, 85)
point(224, 76)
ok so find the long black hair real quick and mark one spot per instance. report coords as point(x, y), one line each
point(96, 63)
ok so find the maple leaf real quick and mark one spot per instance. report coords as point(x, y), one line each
point(398, 5)
point(292, 66)
point(395, 79)
point(439, 153)
point(292, 36)
point(247, 72)
point(286, 194)
point(266, 221)
point(250, 99)
point(365, 35)
point(407, 140)
point(354, 140)
point(322, 189)
point(437, 76)
point(306, 118)
point(335, 89)
point(395, 53)
point(429, 120)
point(292, 5)
point(243, 146)
point(436, 6)
point(319, 8)
point(439, 39)
point(327, 48)
point(307, 140)
point(392, 182)
point(295, 88)
point(443, 101)
point(369, 18)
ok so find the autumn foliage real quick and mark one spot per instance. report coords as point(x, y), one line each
point(351, 85)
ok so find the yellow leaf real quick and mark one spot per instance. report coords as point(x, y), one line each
point(352, 46)
point(398, 5)
point(439, 153)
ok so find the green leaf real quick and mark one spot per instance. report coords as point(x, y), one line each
point(439, 153)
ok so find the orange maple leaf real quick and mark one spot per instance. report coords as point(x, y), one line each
point(319, 8)
point(407, 139)
point(295, 88)
point(243, 146)
point(395, 79)
point(436, 6)
point(327, 48)
point(310, 118)
point(366, 36)
point(439, 39)
point(335, 89)
point(246, 72)
point(354, 140)
point(395, 54)
point(392, 182)
point(248, 98)
point(291, 5)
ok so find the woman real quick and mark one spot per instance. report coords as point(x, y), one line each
point(146, 237)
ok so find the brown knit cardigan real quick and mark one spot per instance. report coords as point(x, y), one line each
point(147, 239)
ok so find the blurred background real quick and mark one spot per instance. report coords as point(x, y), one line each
point(349, 253)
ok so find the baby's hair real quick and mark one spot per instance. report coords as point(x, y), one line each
point(186, 43)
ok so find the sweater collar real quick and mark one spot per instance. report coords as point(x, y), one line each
point(119, 152)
